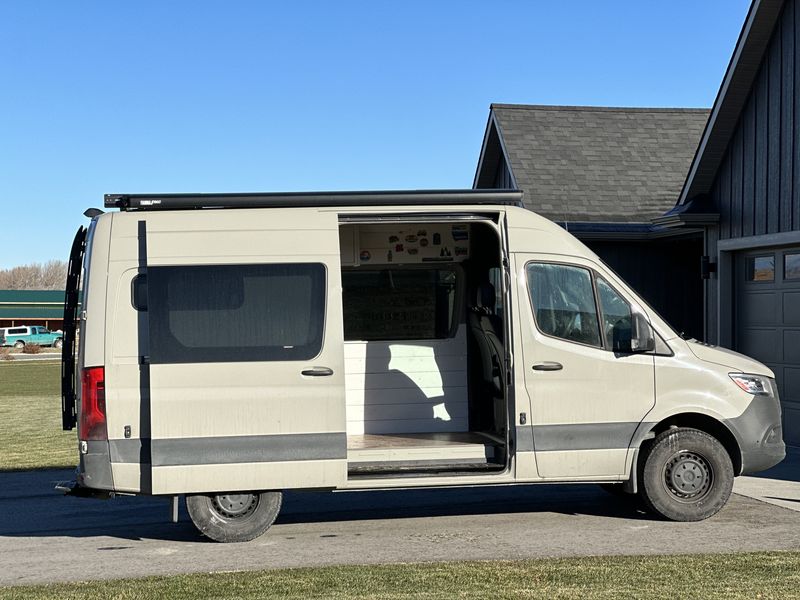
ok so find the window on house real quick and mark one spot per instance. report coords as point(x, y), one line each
point(791, 266)
point(760, 268)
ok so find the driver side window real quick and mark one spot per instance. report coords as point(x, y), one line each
point(616, 317)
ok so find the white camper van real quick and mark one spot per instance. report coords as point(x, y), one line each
point(234, 346)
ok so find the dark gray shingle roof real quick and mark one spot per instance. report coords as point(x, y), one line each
point(596, 164)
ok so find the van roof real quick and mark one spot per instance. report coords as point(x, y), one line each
point(130, 202)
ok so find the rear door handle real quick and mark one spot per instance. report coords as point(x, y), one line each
point(548, 366)
point(318, 372)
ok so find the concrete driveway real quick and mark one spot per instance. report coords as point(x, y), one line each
point(46, 537)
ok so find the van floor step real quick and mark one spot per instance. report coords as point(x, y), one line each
point(411, 469)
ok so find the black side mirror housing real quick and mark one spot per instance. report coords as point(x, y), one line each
point(643, 338)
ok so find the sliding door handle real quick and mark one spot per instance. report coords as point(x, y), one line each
point(548, 366)
point(317, 372)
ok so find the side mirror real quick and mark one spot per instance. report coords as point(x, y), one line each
point(643, 338)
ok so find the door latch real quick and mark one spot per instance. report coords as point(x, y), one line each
point(523, 418)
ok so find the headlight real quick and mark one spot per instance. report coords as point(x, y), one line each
point(752, 384)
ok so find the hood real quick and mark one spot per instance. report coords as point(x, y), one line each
point(728, 358)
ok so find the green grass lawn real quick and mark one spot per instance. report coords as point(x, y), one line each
point(755, 575)
point(30, 418)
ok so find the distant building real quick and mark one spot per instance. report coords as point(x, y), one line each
point(32, 307)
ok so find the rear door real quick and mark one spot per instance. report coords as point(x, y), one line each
point(246, 374)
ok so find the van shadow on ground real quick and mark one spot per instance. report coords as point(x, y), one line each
point(30, 507)
point(786, 470)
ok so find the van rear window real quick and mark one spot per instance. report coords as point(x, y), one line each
point(235, 313)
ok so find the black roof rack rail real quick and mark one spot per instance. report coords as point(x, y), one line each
point(128, 202)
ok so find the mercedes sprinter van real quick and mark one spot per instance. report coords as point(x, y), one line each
point(228, 347)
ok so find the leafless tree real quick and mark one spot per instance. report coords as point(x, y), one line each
point(50, 275)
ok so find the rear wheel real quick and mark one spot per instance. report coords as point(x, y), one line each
point(234, 516)
point(687, 475)
point(19, 344)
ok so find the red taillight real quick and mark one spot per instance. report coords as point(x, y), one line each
point(92, 424)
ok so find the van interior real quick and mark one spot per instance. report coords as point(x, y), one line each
point(424, 334)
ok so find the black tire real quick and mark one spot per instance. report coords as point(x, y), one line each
point(234, 517)
point(687, 475)
point(19, 344)
point(58, 343)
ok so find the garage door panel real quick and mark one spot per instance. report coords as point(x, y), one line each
point(791, 425)
point(760, 308)
point(761, 344)
point(791, 346)
point(791, 308)
point(790, 391)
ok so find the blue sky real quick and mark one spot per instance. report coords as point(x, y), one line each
point(166, 96)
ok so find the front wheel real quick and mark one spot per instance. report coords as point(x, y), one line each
point(234, 516)
point(687, 475)
point(58, 343)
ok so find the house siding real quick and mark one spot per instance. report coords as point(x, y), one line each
point(756, 190)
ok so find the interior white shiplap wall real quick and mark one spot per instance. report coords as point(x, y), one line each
point(407, 386)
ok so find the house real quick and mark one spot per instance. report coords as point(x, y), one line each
point(608, 175)
point(747, 170)
point(722, 259)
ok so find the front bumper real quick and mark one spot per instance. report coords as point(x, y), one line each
point(759, 434)
point(761, 459)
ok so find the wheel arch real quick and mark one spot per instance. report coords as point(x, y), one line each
point(707, 424)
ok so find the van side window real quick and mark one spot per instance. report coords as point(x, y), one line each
point(235, 313)
point(616, 317)
point(563, 302)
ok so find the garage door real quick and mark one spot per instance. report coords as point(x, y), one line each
point(768, 322)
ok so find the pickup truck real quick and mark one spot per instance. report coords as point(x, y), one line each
point(19, 337)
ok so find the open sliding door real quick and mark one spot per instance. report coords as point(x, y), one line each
point(246, 374)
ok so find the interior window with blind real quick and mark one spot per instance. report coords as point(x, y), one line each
point(399, 304)
point(235, 313)
point(563, 302)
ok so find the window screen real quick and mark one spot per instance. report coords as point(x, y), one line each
point(235, 313)
point(399, 304)
point(563, 302)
